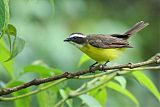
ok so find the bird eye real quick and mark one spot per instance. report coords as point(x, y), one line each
point(74, 37)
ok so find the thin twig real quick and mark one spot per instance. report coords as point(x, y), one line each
point(32, 92)
point(124, 69)
point(154, 60)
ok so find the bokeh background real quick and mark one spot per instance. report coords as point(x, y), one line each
point(44, 24)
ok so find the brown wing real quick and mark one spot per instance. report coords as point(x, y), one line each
point(107, 41)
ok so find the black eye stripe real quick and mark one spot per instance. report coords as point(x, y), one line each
point(76, 37)
point(78, 40)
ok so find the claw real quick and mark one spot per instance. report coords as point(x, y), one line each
point(106, 63)
point(93, 65)
point(103, 65)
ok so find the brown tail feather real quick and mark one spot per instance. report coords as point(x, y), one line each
point(137, 27)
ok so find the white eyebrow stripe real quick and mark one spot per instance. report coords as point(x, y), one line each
point(77, 35)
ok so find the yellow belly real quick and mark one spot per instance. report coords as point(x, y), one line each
point(101, 55)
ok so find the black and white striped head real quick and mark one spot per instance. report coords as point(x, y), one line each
point(77, 39)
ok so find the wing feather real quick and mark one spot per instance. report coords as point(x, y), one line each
point(107, 41)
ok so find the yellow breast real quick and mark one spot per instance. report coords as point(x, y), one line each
point(101, 55)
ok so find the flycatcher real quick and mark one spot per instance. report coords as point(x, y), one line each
point(104, 47)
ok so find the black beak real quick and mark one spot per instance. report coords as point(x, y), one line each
point(67, 40)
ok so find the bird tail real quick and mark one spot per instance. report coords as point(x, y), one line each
point(137, 27)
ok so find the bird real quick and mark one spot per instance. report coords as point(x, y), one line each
point(104, 48)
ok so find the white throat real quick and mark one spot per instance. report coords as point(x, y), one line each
point(77, 45)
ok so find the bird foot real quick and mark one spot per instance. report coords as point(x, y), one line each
point(102, 66)
point(92, 66)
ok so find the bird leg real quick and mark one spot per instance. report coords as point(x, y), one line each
point(103, 65)
point(93, 65)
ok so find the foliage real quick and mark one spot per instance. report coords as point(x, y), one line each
point(86, 92)
point(16, 45)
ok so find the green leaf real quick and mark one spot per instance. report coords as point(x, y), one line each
point(4, 54)
point(11, 30)
point(2, 14)
point(122, 81)
point(17, 47)
point(84, 58)
point(146, 82)
point(23, 102)
point(100, 95)
point(123, 91)
point(47, 98)
point(41, 70)
point(64, 95)
point(57, 71)
point(89, 100)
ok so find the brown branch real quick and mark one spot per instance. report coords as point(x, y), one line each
point(154, 60)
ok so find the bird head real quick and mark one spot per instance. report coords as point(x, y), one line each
point(77, 39)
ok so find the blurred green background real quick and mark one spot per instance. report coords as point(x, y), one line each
point(44, 24)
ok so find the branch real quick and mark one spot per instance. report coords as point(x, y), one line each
point(32, 92)
point(154, 60)
point(122, 72)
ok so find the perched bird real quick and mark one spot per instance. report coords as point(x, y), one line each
point(104, 47)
